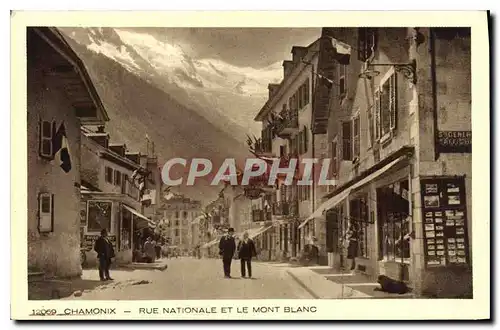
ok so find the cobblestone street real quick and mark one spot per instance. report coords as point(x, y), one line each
point(189, 278)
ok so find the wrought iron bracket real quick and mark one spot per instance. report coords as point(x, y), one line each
point(409, 70)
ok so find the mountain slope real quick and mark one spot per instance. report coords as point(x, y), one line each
point(137, 107)
point(226, 95)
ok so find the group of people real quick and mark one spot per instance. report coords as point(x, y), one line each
point(245, 251)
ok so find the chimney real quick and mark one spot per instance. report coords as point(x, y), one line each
point(298, 54)
point(272, 89)
point(287, 68)
point(101, 138)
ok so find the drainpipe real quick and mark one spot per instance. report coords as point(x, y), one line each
point(432, 50)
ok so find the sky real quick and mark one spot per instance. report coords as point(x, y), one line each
point(253, 47)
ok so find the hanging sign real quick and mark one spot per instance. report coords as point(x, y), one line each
point(454, 141)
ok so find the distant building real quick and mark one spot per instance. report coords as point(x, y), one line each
point(60, 98)
point(179, 213)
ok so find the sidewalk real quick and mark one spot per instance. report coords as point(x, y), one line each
point(160, 264)
point(322, 282)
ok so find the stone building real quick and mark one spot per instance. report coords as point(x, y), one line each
point(399, 132)
point(60, 98)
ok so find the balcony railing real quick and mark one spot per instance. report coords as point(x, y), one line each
point(288, 124)
point(261, 215)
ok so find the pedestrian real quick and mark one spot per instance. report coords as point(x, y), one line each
point(158, 249)
point(149, 250)
point(246, 251)
point(227, 247)
point(352, 247)
point(105, 252)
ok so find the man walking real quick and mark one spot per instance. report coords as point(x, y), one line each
point(246, 251)
point(227, 247)
point(105, 252)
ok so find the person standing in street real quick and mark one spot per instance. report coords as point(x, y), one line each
point(149, 250)
point(227, 247)
point(246, 251)
point(105, 252)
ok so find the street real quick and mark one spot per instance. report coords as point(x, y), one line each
point(189, 278)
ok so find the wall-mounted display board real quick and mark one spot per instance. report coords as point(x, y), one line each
point(444, 215)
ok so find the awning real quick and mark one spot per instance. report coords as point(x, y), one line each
point(332, 202)
point(209, 244)
point(145, 222)
point(254, 232)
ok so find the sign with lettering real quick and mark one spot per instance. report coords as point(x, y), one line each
point(89, 240)
point(454, 141)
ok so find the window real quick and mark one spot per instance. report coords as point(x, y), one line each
point(125, 184)
point(45, 213)
point(176, 214)
point(385, 98)
point(118, 178)
point(99, 216)
point(342, 80)
point(346, 140)
point(367, 43)
point(359, 217)
point(177, 233)
point(185, 214)
point(334, 163)
point(108, 174)
point(355, 137)
point(46, 133)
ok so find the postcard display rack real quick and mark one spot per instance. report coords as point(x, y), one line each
point(445, 222)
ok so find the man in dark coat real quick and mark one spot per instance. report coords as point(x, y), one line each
point(246, 251)
point(105, 252)
point(227, 247)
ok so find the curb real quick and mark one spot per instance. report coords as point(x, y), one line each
point(305, 287)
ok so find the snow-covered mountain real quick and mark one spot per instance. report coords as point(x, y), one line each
point(226, 95)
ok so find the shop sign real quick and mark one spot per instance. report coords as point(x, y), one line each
point(454, 141)
point(89, 240)
point(444, 221)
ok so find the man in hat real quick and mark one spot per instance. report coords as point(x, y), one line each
point(227, 247)
point(105, 252)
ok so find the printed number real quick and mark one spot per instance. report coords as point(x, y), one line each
point(43, 312)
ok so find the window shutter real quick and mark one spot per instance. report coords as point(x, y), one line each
point(52, 212)
point(361, 44)
point(40, 141)
point(347, 140)
point(306, 146)
point(393, 101)
point(307, 91)
point(377, 115)
point(370, 127)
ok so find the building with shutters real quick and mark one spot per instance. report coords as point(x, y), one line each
point(294, 126)
point(399, 134)
point(60, 98)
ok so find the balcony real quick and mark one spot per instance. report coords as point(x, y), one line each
point(289, 124)
point(288, 208)
point(261, 215)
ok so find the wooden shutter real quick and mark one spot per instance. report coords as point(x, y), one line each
point(347, 140)
point(334, 158)
point(307, 92)
point(393, 99)
point(376, 110)
point(52, 212)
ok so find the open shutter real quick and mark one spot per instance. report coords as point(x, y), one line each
point(305, 139)
point(52, 212)
point(376, 110)
point(393, 101)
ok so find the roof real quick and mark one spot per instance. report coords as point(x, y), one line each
point(56, 40)
point(285, 83)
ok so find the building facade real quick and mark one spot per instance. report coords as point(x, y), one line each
point(399, 132)
point(180, 212)
point(111, 197)
point(60, 97)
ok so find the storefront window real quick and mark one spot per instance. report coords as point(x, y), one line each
point(394, 222)
point(359, 217)
point(99, 216)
